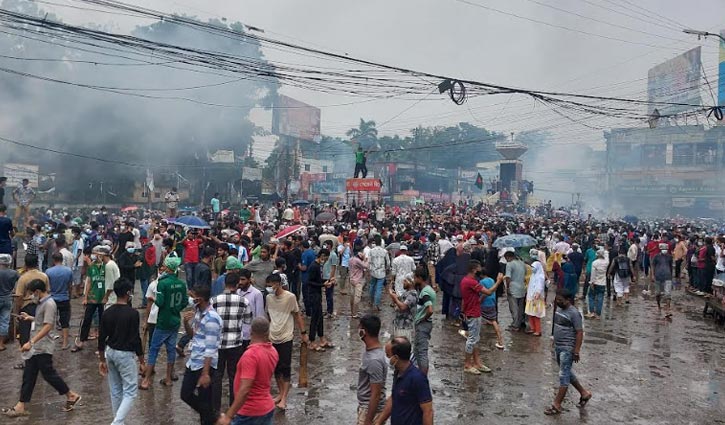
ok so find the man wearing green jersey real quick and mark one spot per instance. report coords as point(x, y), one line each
point(360, 162)
point(95, 293)
point(171, 299)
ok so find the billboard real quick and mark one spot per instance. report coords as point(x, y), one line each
point(296, 119)
point(675, 81)
point(721, 72)
point(17, 172)
point(328, 187)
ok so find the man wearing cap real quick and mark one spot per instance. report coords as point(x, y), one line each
point(8, 279)
point(95, 293)
point(111, 274)
point(171, 299)
point(403, 268)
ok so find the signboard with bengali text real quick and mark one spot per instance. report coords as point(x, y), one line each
point(363, 185)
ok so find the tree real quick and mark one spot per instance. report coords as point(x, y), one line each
point(365, 135)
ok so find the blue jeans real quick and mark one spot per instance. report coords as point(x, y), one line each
point(253, 420)
point(6, 305)
point(596, 299)
point(376, 290)
point(159, 338)
point(122, 381)
point(189, 269)
point(474, 333)
point(565, 360)
point(144, 287)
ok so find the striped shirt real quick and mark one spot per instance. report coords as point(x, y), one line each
point(236, 316)
point(207, 333)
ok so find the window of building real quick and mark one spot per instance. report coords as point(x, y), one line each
point(157, 195)
point(307, 167)
point(324, 168)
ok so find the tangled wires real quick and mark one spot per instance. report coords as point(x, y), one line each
point(456, 90)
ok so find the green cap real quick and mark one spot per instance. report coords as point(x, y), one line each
point(233, 264)
point(172, 263)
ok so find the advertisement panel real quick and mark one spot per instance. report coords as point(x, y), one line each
point(362, 185)
point(296, 119)
point(251, 174)
point(17, 172)
point(328, 187)
point(675, 81)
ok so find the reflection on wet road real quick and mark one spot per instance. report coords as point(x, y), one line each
point(641, 369)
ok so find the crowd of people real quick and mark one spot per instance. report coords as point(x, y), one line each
point(244, 288)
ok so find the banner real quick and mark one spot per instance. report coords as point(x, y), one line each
point(251, 174)
point(676, 81)
point(362, 185)
point(17, 172)
point(293, 118)
point(221, 157)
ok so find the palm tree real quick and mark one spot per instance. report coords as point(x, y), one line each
point(366, 134)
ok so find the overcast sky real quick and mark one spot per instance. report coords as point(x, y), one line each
point(460, 39)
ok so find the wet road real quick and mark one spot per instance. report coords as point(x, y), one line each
point(641, 369)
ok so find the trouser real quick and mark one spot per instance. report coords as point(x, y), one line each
point(6, 306)
point(517, 307)
point(587, 279)
point(708, 274)
point(645, 266)
point(25, 325)
point(122, 382)
point(596, 299)
point(88, 319)
point(306, 298)
point(144, 288)
point(198, 398)
point(166, 338)
point(22, 210)
point(42, 363)
point(150, 333)
point(228, 359)
point(344, 274)
point(361, 168)
point(316, 319)
point(189, 269)
point(63, 313)
point(422, 340)
point(330, 299)
point(678, 269)
point(445, 304)
point(376, 290)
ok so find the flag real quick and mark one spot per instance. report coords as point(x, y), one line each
point(479, 181)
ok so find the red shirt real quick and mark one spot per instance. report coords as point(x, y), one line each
point(257, 364)
point(191, 250)
point(470, 291)
point(653, 248)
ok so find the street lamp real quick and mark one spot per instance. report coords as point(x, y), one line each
point(701, 34)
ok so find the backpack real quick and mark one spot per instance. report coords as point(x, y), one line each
point(622, 266)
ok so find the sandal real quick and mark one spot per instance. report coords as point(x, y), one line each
point(69, 405)
point(584, 400)
point(76, 349)
point(10, 412)
point(318, 349)
point(328, 345)
point(551, 411)
point(163, 382)
point(19, 366)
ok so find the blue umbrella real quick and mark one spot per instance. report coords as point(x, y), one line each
point(192, 221)
point(514, 241)
point(301, 202)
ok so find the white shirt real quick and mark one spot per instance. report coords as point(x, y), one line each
point(445, 245)
point(403, 267)
point(136, 238)
point(562, 247)
point(68, 259)
point(78, 251)
point(720, 266)
point(151, 297)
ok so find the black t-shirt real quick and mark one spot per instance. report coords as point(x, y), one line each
point(314, 277)
point(202, 274)
point(122, 239)
point(119, 329)
point(709, 256)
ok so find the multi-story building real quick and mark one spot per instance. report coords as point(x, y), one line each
point(666, 171)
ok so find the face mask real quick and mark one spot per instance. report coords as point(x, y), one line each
point(664, 251)
point(393, 361)
point(94, 257)
point(123, 228)
point(361, 334)
point(699, 244)
point(36, 298)
point(270, 290)
point(130, 250)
